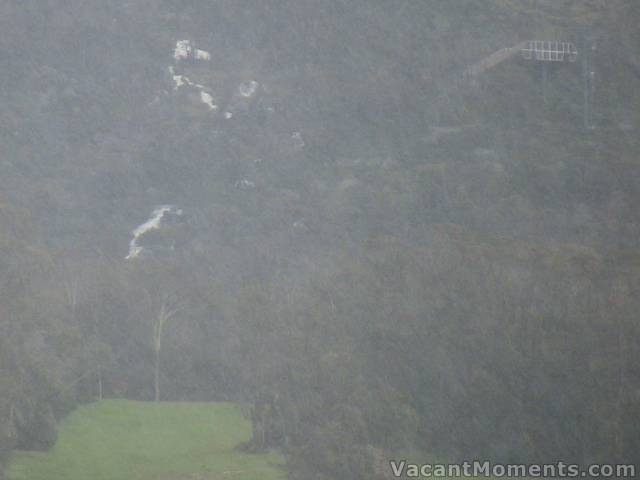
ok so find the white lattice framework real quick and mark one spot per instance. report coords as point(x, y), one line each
point(550, 51)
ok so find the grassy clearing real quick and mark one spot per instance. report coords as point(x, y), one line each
point(126, 440)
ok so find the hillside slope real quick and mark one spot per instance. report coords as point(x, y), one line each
point(329, 221)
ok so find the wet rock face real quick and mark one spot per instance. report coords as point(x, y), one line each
point(185, 50)
point(248, 89)
point(209, 93)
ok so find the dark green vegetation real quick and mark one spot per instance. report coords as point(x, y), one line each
point(377, 255)
point(135, 440)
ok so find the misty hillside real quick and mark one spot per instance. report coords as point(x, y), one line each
point(344, 213)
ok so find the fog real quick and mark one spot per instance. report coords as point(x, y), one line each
point(391, 229)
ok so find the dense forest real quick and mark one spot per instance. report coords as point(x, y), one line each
point(309, 207)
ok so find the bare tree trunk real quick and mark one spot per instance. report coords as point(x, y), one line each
point(164, 315)
point(156, 377)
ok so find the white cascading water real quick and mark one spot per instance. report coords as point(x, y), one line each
point(154, 223)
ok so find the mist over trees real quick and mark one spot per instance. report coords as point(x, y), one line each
point(386, 259)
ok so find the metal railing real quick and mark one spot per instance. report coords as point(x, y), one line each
point(550, 51)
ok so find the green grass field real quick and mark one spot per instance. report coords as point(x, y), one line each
point(126, 440)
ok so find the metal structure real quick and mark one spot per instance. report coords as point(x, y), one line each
point(538, 50)
point(494, 59)
point(545, 52)
point(548, 51)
